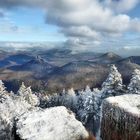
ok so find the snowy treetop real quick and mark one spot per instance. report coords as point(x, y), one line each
point(136, 71)
point(134, 86)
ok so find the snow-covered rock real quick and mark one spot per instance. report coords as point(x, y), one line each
point(121, 118)
point(56, 123)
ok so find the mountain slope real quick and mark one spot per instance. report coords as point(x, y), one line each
point(126, 68)
point(106, 58)
point(37, 65)
point(133, 59)
point(20, 58)
point(15, 59)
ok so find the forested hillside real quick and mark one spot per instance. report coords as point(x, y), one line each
point(18, 109)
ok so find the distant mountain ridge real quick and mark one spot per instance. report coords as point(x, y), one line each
point(15, 59)
point(107, 58)
point(38, 65)
point(133, 59)
point(61, 68)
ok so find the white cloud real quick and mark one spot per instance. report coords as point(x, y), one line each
point(85, 21)
point(121, 5)
point(81, 31)
point(135, 25)
point(91, 19)
point(130, 47)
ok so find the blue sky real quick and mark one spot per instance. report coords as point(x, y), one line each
point(85, 24)
point(31, 26)
point(135, 12)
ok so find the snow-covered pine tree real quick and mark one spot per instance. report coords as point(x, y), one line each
point(27, 94)
point(113, 84)
point(83, 102)
point(90, 114)
point(134, 86)
point(21, 90)
point(71, 92)
point(87, 89)
point(63, 92)
point(70, 99)
point(80, 104)
point(2, 87)
point(3, 92)
point(54, 100)
point(31, 98)
point(88, 107)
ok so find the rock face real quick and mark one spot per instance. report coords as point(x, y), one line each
point(56, 123)
point(121, 118)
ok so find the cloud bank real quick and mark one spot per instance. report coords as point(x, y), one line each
point(85, 22)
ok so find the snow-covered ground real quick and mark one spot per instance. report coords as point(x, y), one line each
point(56, 123)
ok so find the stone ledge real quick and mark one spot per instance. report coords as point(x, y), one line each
point(121, 118)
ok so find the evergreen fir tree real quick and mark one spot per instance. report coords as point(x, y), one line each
point(113, 85)
point(134, 86)
point(21, 90)
point(2, 87)
point(71, 92)
point(3, 93)
point(87, 90)
point(26, 94)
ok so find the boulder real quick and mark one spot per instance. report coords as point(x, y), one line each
point(121, 118)
point(57, 123)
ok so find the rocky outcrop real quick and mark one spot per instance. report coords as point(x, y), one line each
point(56, 123)
point(21, 119)
point(121, 118)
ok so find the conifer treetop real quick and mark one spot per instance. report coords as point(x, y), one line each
point(71, 92)
point(113, 83)
point(2, 87)
point(134, 86)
